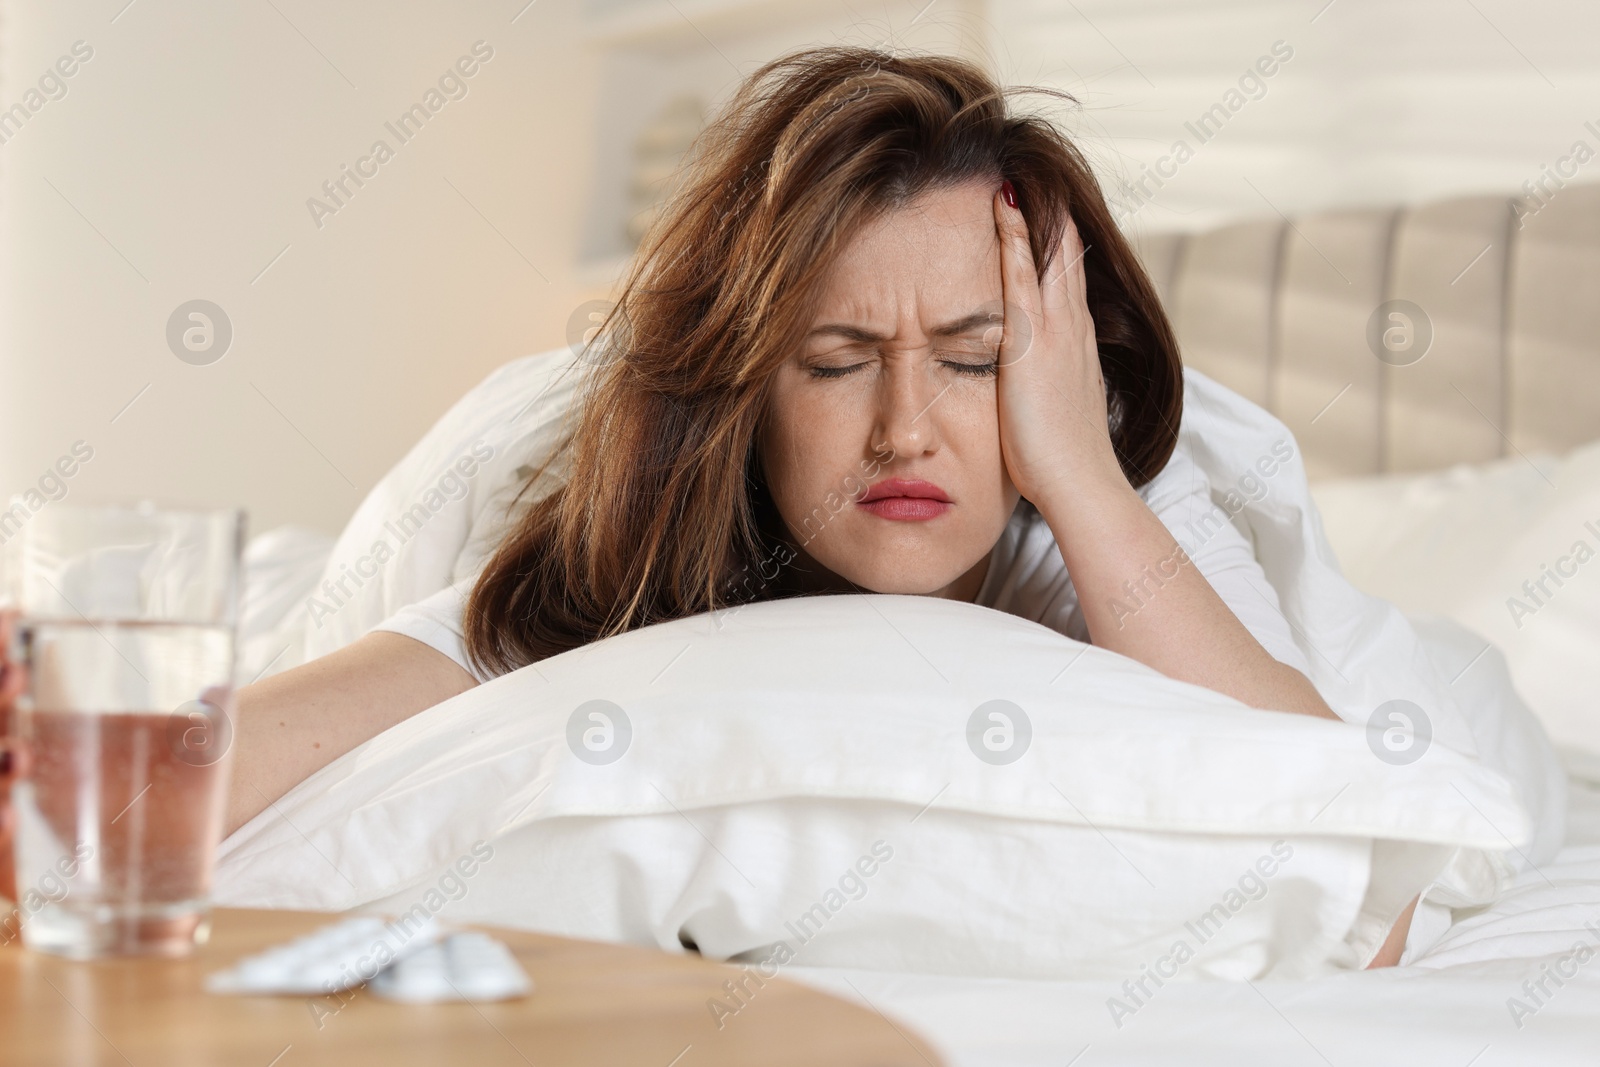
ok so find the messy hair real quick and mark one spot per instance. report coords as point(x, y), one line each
point(663, 511)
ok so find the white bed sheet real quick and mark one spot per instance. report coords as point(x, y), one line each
point(1452, 1007)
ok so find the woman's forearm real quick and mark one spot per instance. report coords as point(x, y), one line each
point(293, 724)
point(1143, 597)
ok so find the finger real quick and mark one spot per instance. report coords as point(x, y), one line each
point(1019, 283)
point(1075, 284)
point(13, 679)
point(1069, 288)
point(12, 683)
point(14, 765)
point(1056, 288)
point(7, 667)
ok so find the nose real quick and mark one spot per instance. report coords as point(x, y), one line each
point(908, 395)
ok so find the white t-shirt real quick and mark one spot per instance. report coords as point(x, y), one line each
point(1027, 576)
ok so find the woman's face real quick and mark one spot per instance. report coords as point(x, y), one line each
point(892, 391)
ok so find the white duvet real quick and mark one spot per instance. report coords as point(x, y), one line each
point(1517, 983)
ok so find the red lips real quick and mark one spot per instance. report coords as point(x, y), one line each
point(905, 500)
point(909, 487)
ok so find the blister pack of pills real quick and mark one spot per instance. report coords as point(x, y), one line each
point(414, 962)
point(464, 966)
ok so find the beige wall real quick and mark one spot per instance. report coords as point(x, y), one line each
point(178, 164)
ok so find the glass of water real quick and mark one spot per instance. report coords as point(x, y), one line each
point(128, 619)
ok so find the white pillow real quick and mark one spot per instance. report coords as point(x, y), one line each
point(1362, 650)
point(825, 772)
point(282, 568)
point(438, 514)
point(1462, 542)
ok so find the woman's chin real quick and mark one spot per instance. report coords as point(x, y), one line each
point(930, 582)
point(909, 559)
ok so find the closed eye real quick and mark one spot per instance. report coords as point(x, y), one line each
point(834, 372)
point(968, 367)
point(975, 370)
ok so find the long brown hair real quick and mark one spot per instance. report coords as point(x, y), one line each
point(664, 512)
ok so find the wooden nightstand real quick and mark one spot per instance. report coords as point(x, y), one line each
point(593, 1003)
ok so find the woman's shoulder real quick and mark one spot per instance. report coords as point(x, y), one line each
point(437, 621)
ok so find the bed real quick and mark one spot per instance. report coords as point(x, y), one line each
point(1442, 482)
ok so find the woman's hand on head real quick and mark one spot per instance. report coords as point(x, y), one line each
point(1053, 421)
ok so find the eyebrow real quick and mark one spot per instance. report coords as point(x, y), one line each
point(965, 324)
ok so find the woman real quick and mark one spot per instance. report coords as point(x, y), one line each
point(885, 338)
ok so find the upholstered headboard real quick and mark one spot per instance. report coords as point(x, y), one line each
point(1284, 311)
